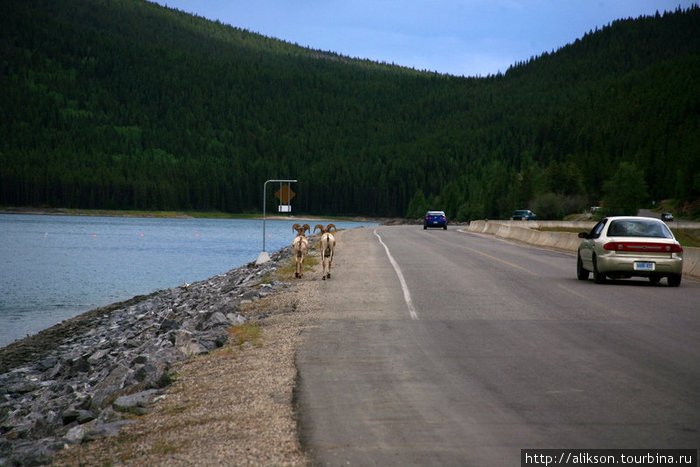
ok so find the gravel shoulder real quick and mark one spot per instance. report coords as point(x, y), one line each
point(233, 406)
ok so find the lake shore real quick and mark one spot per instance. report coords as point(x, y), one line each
point(197, 215)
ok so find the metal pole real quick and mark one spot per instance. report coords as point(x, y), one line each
point(264, 206)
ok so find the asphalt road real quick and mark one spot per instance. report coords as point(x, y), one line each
point(478, 348)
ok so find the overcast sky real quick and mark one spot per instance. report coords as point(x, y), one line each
point(459, 37)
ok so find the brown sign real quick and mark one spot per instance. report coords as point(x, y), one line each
point(285, 194)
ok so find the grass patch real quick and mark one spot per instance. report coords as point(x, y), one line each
point(180, 409)
point(217, 215)
point(285, 272)
point(160, 214)
point(561, 229)
point(161, 448)
point(246, 334)
point(124, 213)
point(686, 237)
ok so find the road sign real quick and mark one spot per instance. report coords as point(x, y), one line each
point(288, 194)
point(285, 194)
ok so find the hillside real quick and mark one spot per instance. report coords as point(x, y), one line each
point(128, 105)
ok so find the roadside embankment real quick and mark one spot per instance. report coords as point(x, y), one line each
point(96, 374)
point(527, 232)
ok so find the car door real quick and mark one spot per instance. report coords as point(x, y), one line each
point(588, 244)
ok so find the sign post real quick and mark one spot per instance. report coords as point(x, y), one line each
point(285, 194)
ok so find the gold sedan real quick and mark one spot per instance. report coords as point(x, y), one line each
point(626, 246)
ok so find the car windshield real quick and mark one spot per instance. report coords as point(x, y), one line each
point(436, 213)
point(638, 228)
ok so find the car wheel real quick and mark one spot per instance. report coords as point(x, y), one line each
point(674, 280)
point(597, 276)
point(654, 279)
point(425, 227)
point(444, 227)
point(581, 273)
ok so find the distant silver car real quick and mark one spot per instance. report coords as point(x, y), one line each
point(626, 246)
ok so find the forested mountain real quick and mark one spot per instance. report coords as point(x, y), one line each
point(123, 104)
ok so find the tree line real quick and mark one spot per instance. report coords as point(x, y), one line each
point(129, 105)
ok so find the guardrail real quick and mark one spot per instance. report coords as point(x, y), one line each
point(526, 232)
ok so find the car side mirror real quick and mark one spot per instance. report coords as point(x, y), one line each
point(583, 235)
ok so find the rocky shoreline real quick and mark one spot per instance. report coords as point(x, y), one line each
point(86, 377)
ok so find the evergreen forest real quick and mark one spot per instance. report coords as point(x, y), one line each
point(124, 104)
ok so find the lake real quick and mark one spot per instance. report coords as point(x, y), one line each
point(55, 267)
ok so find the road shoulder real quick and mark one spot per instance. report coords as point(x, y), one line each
point(232, 406)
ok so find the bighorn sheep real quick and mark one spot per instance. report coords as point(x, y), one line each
point(300, 248)
point(327, 247)
point(301, 229)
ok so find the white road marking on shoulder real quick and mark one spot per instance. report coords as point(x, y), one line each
point(404, 286)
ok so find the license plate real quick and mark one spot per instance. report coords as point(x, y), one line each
point(435, 222)
point(643, 266)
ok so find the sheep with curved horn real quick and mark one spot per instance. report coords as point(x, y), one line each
point(327, 247)
point(300, 248)
point(300, 229)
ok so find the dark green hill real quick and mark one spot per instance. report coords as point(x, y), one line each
point(127, 105)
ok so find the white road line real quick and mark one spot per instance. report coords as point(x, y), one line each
point(404, 286)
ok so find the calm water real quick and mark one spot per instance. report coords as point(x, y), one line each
point(56, 267)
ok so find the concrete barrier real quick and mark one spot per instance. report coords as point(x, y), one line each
point(527, 232)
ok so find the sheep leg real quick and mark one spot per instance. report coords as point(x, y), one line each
point(323, 256)
point(300, 264)
point(297, 264)
point(330, 263)
point(330, 250)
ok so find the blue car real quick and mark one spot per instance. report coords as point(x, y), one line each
point(435, 219)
